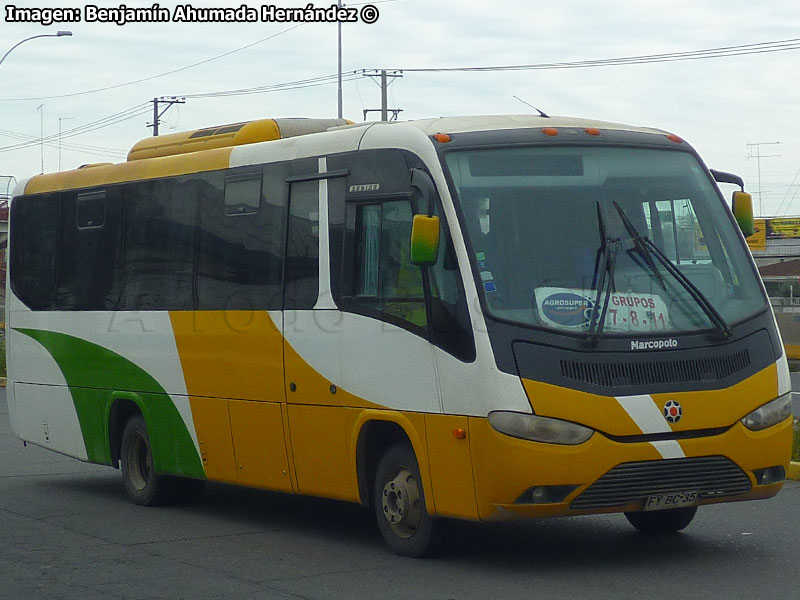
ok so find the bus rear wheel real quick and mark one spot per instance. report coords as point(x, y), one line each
point(399, 502)
point(662, 521)
point(142, 484)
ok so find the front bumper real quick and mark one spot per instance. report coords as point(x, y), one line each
point(506, 468)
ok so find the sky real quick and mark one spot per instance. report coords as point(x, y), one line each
point(730, 108)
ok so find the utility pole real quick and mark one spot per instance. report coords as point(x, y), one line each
point(339, 112)
point(169, 101)
point(758, 156)
point(384, 77)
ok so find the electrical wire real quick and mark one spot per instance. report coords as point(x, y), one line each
point(125, 115)
point(279, 87)
point(720, 52)
point(150, 78)
point(184, 68)
point(65, 145)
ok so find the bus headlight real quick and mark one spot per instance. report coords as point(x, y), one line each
point(539, 429)
point(769, 414)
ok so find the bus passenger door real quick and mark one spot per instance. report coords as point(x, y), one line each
point(311, 339)
point(354, 320)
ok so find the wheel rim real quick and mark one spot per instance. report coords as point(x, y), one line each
point(140, 461)
point(401, 502)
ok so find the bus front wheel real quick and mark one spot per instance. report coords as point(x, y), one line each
point(662, 521)
point(142, 484)
point(399, 502)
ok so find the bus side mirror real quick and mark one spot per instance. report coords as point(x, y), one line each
point(424, 229)
point(742, 206)
point(424, 240)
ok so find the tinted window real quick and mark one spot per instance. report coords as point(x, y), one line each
point(88, 254)
point(91, 209)
point(243, 191)
point(157, 270)
point(34, 242)
point(302, 249)
point(238, 254)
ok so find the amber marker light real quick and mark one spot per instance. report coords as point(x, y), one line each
point(674, 138)
point(459, 433)
point(551, 131)
point(592, 131)
point(442, 137)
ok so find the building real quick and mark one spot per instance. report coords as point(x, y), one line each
point(775, 245)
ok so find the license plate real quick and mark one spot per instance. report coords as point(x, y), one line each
point(670, 500)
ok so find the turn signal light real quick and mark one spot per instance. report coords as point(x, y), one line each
point(551, 131)
point(459, 433)
point(674, 138)
point(442, 137)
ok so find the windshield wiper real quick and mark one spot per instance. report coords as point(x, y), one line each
point(647, 250)
point(608, 250)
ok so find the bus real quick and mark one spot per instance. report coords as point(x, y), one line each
point(479, 318)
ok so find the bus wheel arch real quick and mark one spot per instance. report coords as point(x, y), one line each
point(122, 409)
point(374, 438)
point(143, 484)
point(394, 483)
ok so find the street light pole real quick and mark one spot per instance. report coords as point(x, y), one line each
point(33, 37)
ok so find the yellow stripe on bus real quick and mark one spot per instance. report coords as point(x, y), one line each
point(154, 168)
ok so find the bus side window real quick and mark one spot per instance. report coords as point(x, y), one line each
point(450, 324)
point(159, 242)
point(302, 246)
point(88, 250)
point(34, 243)
point(451, 328)
point(385, 283)
point(238, 262)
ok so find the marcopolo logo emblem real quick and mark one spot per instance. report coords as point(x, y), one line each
point(567, 309)
point(673, 411)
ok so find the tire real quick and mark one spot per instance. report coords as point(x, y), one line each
point(142, 484)
point(399, 503)
point(662, 521)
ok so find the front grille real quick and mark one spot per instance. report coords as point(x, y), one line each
point(711, 476)
point(617, 374)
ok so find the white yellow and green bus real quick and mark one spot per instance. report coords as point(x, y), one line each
point(482, 318)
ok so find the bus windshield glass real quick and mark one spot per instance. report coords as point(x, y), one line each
point(559, 233)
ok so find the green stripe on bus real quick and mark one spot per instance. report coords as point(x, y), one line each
point(93, 374)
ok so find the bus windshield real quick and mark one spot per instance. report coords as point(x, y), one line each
point(543, 223)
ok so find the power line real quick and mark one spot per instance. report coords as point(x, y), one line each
point(279, 87)
point(720, 52)
point(87, 148)
point(125, 115)
point(202, 62)
point(172, 72)
point(786, 196)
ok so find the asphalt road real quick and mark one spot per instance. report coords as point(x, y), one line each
point(67, 531)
